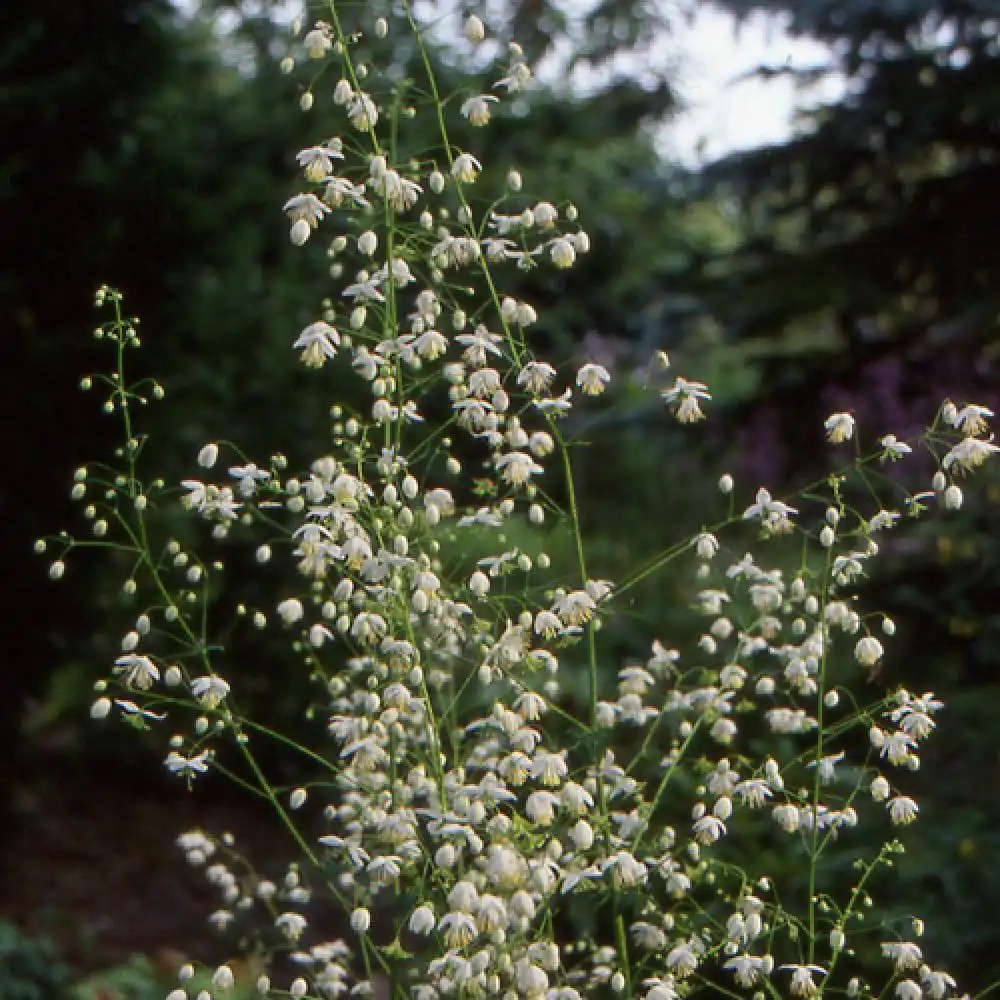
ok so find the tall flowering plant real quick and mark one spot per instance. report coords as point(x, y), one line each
point(482, 828)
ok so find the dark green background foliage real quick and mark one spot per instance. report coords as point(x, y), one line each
point(852, 267)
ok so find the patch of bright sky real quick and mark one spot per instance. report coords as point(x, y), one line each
point(709, 58)
point(726, 109)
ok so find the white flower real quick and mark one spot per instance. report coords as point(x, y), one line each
point(339, 188)
point(536, 376)
point(422, 920)
point(802, 979)
point(137, 671)
point(317, 161)
point(868, 651)
point(562, 252)
point(708, 829)
point(517, 467)
point(130, 708)
point(306, 208)
point(773, 514)
point(319, 342)
point(362, 111)
point(458, 929)
point(839, 427)
point(400, 192)
point(290, 924)
point(903, 810)
point(970, 420)
point(477, 109)
point(517, 76)
point(625, 870)
point(582, 835)
point(787, 817)
point(318, 42)
point(684, 397)
point(936, 983)
point(952, 497)
point(894, 449)
point(682, 959)
point(220, 920)
point(879, 789)
point(883, 519)
point(519, 313)
point(545, 214)
point(209, 690)
point(342, 91)
point(592, 378)
point(905, 954)
point(827, 767)
point(249, 476)
point(465, 168)
point(431, 344)
point(969, 454)
point(290, 610)
point(745, 968)
point(648, 936)
point(540, 807)
point(575, 608)
point(187, 767)
point(532, 981)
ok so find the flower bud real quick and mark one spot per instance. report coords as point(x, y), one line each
point(100, 708)
point(475, 30)
point(209, 454)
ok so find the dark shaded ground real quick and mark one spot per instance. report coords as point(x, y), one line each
point(88, 858)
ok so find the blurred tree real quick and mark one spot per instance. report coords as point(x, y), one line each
point(865, 278)
point(870, 234)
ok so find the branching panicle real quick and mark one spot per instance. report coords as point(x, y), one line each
point(461, 803)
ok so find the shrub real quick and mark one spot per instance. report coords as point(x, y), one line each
point(29, 969)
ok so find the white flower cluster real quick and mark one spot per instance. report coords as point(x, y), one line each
point(469, 788)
